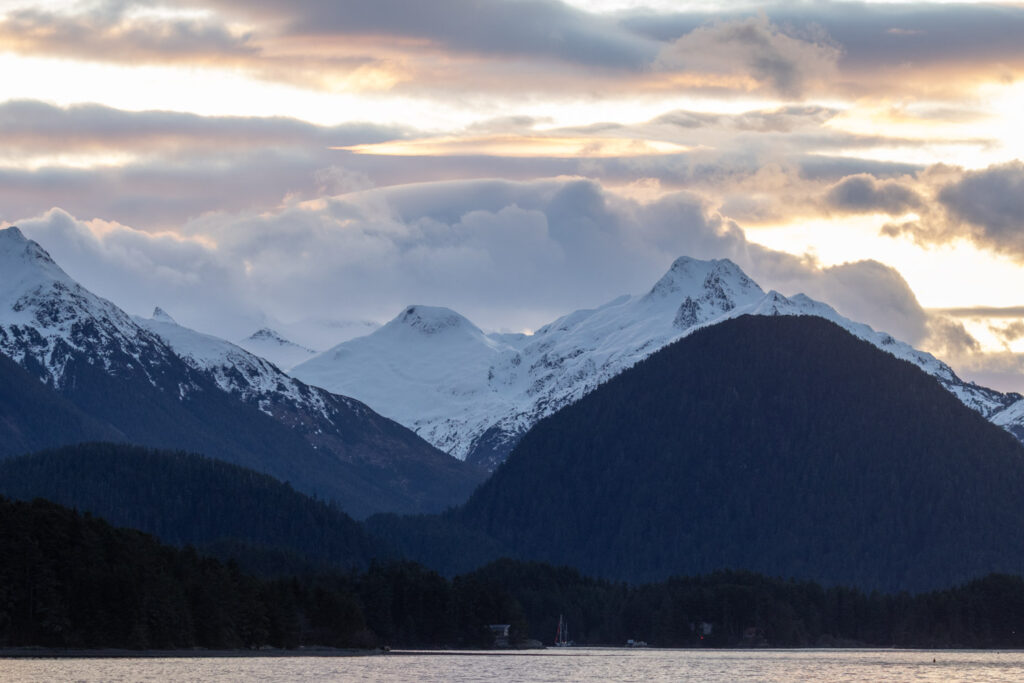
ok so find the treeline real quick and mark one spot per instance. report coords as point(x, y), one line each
point(72, 580)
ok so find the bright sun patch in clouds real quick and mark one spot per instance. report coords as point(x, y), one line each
point(947, 276)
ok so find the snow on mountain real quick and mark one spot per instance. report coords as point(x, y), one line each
point(267, 343)
point(165, 385)
point(233, 369)
point(474, 394)
point(46, 319)
point(425, 368)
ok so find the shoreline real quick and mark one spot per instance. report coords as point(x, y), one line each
point(119, 653)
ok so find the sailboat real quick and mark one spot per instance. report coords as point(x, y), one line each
point(562, 635)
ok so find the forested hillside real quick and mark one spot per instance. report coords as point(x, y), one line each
point(189, 499)
point(33, 416)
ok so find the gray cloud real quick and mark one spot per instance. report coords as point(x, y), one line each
point(866, 291)
point(983, 312)
point(949, 339)
point(105, 32)
point(1009, 333)
point(984, 206)
point(886, 46)
point(785, 119)
point(524, 28)
point(787, 64)
point(138, 270)
point(183, 164)
point(858, 48)
point(991, 202)
point(164, 194)
point(37, 127)
point(832, 168)
point(864, 194)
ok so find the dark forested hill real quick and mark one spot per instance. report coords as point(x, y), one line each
point(33, 416)
point(780, 445)
point(188, 499)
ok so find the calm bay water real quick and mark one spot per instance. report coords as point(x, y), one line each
point(577, 664)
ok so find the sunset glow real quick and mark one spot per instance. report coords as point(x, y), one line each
point(361, 149)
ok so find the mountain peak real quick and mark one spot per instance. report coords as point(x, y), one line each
point(160, 315)
point(28, 270)
point(431, 320)
point(690, 276)
point(14, 247)
point(266, 334)
point(12, 233)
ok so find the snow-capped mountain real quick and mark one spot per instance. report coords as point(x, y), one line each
point(160, 384)
point(48, 321)
point(429, 367)
point(269, 344)
point(237, 371)
point(474, 394)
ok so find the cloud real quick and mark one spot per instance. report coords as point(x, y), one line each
point(862, 193)
point(547, 45)
point(983, 312)
point(1010, 332)
point(139, 270)
point(155, 170)
point(168, 167)
point(756, 48)
point(867, 291)
point(990, 203)
point(106, 32)
point(509, 255)
point(785, 119)
point(948, 339)
point(925, 49)
point(545, 29)
point(984, 206)
point(34, 127)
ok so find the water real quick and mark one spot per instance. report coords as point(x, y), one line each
point(577, 664)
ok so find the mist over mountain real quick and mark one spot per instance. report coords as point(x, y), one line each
point(270, 344)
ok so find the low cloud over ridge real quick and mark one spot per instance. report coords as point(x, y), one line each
point(506, 254)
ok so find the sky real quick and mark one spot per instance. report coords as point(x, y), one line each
point(310, 164)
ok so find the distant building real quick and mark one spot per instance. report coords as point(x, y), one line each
point(500, 632)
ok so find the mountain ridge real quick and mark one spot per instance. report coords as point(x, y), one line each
point(162, 385)
point(478, 397)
